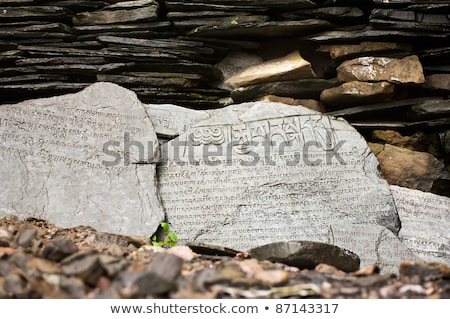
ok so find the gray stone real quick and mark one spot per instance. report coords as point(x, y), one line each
point(236, 61)
point(71, 160)
point(425, 219)
point(307, 254)
point(374, 244)
point(171, 120)
point(266, 172)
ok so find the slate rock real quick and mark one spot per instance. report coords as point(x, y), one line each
point(301, 89)
point(425, 219)
point(357, 93)
point(84, 265)
point(228, 28)
point(161, 275)
point(289, 67)
point(236, 178)
point(308, 103)
point(430, 109)
point(127, 11)
point(26, 236)
point(437, 81)
point(342, 51)
point(58, 249)
point(406, 70)
point(307, 255)
point(79, 163)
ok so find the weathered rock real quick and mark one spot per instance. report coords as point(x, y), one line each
point(425, 219)
point(58, 249)
point(161, 274)
point(402, 167)
point(279, 172)
point(333, 14)
point(357, 93)
point(290, 67)
point(237, 60)
point(437, 81)
point(302, 89)
point(171, 120)
point(374, 244)
point(71, 160)
point(84, 265)
point(415, 142)
point(127, 11)
point(308, 103)
point(419, 271)
point(341, 51)
point(430, 109)
point(369, 69)
point(235, 28)
point(307, 254)
point(26, 236)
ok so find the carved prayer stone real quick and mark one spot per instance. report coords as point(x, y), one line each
point(70, 160)
point(425, 219)
point(374, 244)
point(170, 120)
point(264, 172)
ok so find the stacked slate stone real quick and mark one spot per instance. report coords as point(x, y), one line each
point(55, 47)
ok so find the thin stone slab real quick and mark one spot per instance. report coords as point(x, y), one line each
point(70, 160)
point(289, 67)
point(301, 89)
point(122, 12)
point(342, 51)
point(228, 29)
point(425, 219)
point(265, 172)
point(357, 93)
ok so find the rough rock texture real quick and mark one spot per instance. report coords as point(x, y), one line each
point(371, 69)
point(58, 262)
point(318, 171)
point(403, 167)
point(72, 160)
point(425, 219)
point(290, 67)
point(357, 93)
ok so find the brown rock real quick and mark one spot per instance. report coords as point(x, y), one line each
point(357, 93)
point(406, 70)
point(26, 236)
point(309, 103)
point(437, 81)
point(58, 249)
point(289, 67)
point(416, 142)
point(411, 169)
point(345, 50)
point(420, 271)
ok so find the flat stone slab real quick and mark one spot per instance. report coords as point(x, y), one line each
point(425, 219)
point(70, 159)
point(289, 67)
point(265, 172)
point(307, 255)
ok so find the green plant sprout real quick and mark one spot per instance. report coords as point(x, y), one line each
point(170, 239)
